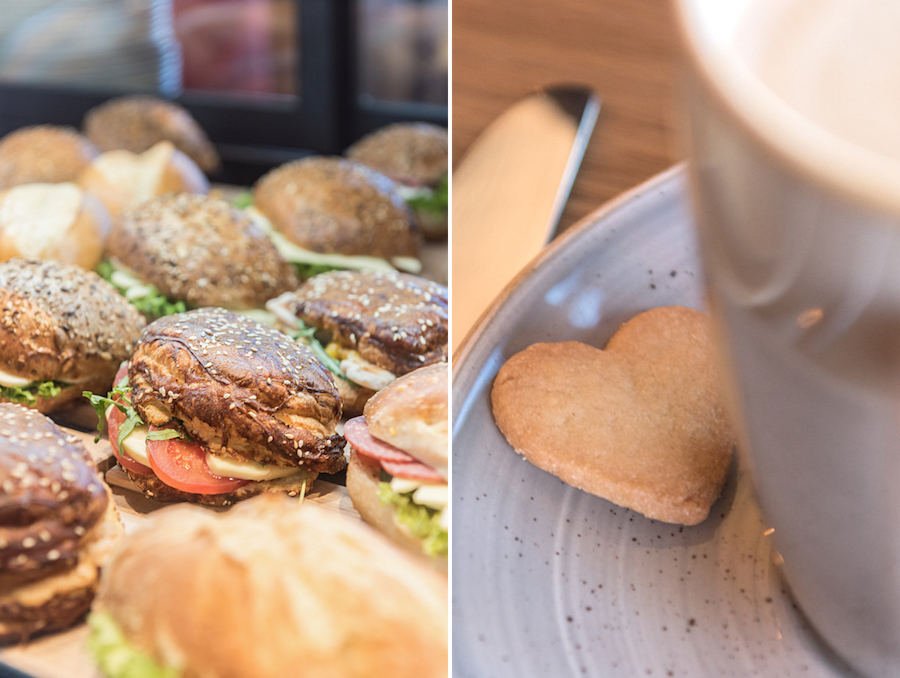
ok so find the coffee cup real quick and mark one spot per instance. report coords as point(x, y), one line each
point(798, 213)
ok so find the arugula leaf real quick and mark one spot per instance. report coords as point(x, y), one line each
point(149, 301)
point(307, 271)
point(436, 202)
point(308, 336)
point(101, 403)
point(243, 200)
point(163, 434)
point(28, 395)
point(421, 521)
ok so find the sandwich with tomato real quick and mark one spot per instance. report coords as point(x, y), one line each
point(397, 475)
point(214, 407)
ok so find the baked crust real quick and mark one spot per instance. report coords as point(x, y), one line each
point(60, 322)
point(201, 250)
point(414, 154)
point(396, 321)
point(362, 486)
point(43, 154)
point(240, 388)
point(641, 423)
point(154, 488)
point(332, 205)
point(412, 415)
point(136, 123)
point(252, 592)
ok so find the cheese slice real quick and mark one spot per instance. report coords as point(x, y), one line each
point(229, 467)
point(432, 495)
point(135, 445)
point(13, 381)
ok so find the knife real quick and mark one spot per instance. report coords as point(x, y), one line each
point(509, 191)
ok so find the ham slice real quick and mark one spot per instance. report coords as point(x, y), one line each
point(393, 460)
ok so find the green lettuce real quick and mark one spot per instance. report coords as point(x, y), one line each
point(243, 200)
point(151, 302)
point(421, 521)
point(28, 395)
point(306, 271)
point(116, 657)
point(436, 202)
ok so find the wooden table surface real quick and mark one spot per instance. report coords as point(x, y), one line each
point(624, 49)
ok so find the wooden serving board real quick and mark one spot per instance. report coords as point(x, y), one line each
point(64, 655)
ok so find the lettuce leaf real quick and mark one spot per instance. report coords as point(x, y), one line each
point(116, 657)
point(306, 271)
point(243, 200)
point(421, 521)
point(152, 303)
point(28, 395)
point(436, 202)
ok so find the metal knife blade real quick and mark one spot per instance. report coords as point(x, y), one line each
point(509, 192)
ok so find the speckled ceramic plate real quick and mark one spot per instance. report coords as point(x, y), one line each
point(551, 581)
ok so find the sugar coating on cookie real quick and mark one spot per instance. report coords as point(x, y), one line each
point(641, 423)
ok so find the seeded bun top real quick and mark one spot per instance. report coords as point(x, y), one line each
point(335, 206)
point(201, 250)
point(414, 154)
point(411, 414)
point(51, 494)
point(136, 123)
point(396, 321)
point(239, 387)
point(61, 322)
point(43, 154)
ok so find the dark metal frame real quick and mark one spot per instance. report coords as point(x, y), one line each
point(254, 136)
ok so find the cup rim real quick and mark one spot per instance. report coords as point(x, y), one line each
point(841, 166)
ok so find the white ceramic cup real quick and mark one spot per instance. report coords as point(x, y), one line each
point(800, 234)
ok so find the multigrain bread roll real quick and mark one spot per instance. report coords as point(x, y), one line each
point(122, 178)
point(270, 589)
point(415, 155)
point(43, 154)
point(331, 205)
point(377, 325)
point(63, 330)
point(57, 525)
point(199, 250)
point(53, 221)
point(137, 123)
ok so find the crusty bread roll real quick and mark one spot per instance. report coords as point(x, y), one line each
point(57, 525)
point(273, 589)
point(63, 323)
point(122, 178)
point(410, 153)
point(411, 414)
point(137, 123)
point(43, 154)
point(362, 485)
point(59, 222)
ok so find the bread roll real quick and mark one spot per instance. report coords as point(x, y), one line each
point(43, 154)
point(273, 589)
point(137, 123)
point(122, 178)
point(59, 222)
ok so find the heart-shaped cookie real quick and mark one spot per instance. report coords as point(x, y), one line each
point(641, 423)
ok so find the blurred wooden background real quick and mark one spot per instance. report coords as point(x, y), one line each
point(625, 49)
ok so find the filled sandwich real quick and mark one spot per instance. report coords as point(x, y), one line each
point(63, 330)
point(58, 523)
point(397, 475)
point(43, 154)
point(415, 155)
point(326, 213)
point(182, 251)
point(368, 327)
point(214, 407)
point(268, 589)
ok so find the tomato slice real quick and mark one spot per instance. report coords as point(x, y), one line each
point(182, 465)
point(121, 374)
point(114, 419)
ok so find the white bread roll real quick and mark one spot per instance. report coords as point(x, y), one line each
point(122, 178)
point(411, 414)
point(272, 588)
point(56, 222)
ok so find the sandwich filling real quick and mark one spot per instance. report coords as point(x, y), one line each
point(26, 392)
point(433, 200)
point(118, 658)
point(145, 297)
point(419, 494)
point(170, 453)
point(309, 263)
